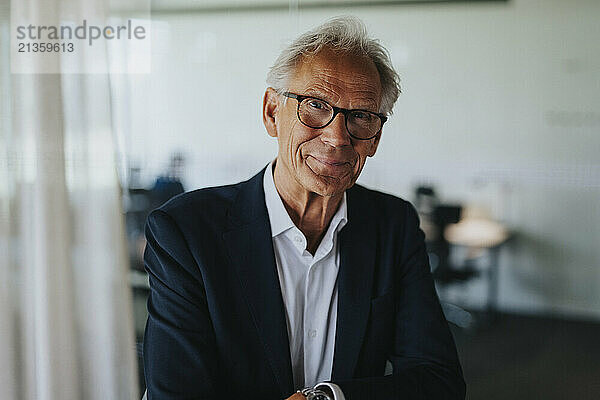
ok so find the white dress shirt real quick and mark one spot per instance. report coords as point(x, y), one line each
point(309, 289)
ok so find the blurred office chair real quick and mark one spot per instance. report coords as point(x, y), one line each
point(435, 217)
point(480, 235)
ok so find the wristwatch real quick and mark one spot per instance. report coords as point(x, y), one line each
point(314, 394)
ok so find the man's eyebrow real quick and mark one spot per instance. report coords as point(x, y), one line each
point(317, 94)
point(367, 105)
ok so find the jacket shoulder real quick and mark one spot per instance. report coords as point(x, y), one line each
point(199, 200)
point(201, 208)
point(381, 203)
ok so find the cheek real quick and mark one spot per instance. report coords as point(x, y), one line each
point(292, 141)
point(301, 140)
point(362, 150)
point(358, 167)
point(285, 128)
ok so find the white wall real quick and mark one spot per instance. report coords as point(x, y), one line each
point(500, 107)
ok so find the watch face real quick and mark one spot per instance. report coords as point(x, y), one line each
point(315, 394)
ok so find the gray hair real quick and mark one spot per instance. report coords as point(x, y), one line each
point(343, 34)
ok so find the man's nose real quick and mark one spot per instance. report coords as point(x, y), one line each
point(335, 134)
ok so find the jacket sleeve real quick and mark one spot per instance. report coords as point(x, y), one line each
point(179, 341)
point(424, 355)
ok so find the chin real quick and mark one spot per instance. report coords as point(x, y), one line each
point(327, 186)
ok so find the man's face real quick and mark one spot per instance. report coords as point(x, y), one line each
point(325, 161)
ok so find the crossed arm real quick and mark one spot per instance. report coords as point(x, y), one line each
point(182, 366)
point(424, 355)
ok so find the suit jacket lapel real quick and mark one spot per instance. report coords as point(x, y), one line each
point(250, 249)
point(357, 241)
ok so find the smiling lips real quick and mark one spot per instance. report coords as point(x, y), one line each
point(328, 166)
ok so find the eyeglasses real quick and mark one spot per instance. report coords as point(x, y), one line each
point(316, 113)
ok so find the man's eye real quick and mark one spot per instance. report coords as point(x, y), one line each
point(360, 115)
point(316, 104)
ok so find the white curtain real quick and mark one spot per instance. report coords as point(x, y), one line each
point(66, 323)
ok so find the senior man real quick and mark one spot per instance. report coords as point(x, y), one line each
point(298, 283)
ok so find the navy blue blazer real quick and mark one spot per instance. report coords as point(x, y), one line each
point(216, 327)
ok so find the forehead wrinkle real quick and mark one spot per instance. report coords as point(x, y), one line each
point(332, 77)
point(342, 81)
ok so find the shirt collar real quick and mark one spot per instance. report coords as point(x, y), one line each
point(278, 216)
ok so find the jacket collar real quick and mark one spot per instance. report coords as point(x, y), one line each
point(250, 249)
point(358, 242)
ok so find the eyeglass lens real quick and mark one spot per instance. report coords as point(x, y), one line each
point(317, 113)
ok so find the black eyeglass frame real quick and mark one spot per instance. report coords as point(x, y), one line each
point(336, 110)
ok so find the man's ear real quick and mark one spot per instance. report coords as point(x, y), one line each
point(270, 108)
point(374, 144)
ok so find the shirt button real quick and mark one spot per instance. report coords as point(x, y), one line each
point(298, 239)
point(312, 333)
